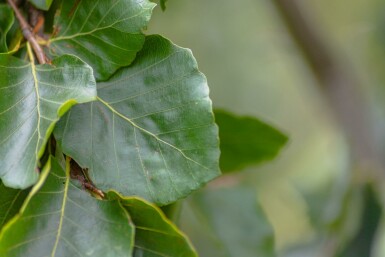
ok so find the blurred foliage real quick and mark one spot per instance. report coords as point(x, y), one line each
point(246, 141)
point(312, 193)
point(227, 222)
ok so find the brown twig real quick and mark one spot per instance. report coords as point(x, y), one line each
point(337, 81)
point(27, 33)
point(76, 172)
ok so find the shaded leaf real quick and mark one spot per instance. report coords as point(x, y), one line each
point(227, 222)
point(163, 4)
point(151, 133)
point(6, 21)
point(246, 141)
point(155, 235)
point(59, 219)
point(32, 98)
point(105, 34)
point(362, 243)
point(10, 202)
point(41, 4)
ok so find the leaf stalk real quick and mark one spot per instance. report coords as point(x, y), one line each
point(27, 33)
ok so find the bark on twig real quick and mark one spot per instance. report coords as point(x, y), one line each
point(27, 33)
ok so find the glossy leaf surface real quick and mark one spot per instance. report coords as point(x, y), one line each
point(11, 201)
point(227, 222)
point(246, 141)
point(155, 235)
point(59, 219)
point(6, 20)
point(105, 34)
point(41, 4)
point(152, 132)
point(32, 98)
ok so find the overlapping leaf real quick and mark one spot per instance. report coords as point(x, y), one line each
point(62, 220)
point(155, 235)
point(32, 98)
point(105, 34)
point(11, 201)
point(246, 141)
point(6, 20)
point(152, 132)
point(42, 4)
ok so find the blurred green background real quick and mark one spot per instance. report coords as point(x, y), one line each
point(313, 199)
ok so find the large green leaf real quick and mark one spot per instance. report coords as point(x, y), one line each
point(105, 34)
point(227, 222)
point(32, 98)
point(59, 219)
point(246, 141)
point(42, 4)
point(6, 21)
point(10, 202)
point(152, 132)
point(155, 235)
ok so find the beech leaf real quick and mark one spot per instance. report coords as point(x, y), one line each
point(155, 235)
point(6, 21)
point(10, 202)
point(59, 219)
point(152, 132)
point(246, 141)
point(105, 34)
point(32, 99)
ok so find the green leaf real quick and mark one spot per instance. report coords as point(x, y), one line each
point(59, 219)
point(246, 141)
point(32, 98)
point(227, 222)
point(6, 22)
point(163, 4)
point(105, 34)
point(41, 4)
point(155, 234)
point(151, 133)
point(10, 202)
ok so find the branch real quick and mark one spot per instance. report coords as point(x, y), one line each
point(337, 81)
point(27, 33)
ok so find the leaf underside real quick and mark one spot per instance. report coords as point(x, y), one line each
point(106, 35)
point(152, 132)
point(155, 235)
point(62, 220)
point(32, 98)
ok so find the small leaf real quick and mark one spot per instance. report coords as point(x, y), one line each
point(59, 219)
point(227, 222)
point(10, 202)
point(246, 141)
point(41, 4)
point(32, 98)
point(151, 133)
point(105, 34)
point(163, 4)
point(155, 234)
point(6, 22)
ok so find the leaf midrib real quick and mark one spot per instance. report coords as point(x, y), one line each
point(149, 133)
point(62, 210)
